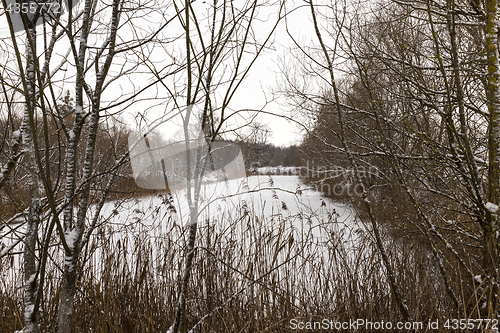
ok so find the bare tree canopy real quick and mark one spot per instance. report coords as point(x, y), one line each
point(135, 197)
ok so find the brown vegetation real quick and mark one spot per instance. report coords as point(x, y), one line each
point(256, 278)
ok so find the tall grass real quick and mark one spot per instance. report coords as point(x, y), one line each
point(252, 273)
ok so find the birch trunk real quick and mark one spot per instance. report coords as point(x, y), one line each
point(74, 230)
point(68, 286)
point(28, 133)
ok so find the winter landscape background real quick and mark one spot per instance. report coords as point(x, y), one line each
point(249, 166)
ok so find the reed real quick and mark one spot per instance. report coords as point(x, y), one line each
point(252, 273)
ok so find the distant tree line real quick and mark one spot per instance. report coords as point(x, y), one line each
point(262, 155)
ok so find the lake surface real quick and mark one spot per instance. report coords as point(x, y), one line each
point(265, 196)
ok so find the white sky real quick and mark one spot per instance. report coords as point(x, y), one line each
point(254, 91)
point(265, 76)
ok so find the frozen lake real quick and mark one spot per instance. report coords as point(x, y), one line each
point(242, 210)
point(263, 215)
point(222, 202)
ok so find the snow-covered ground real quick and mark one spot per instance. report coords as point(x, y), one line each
point(279, 205)
point(266, 196)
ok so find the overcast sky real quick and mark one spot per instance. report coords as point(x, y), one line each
point(265, 77)
point(256, 90)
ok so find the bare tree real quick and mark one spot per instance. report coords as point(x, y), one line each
point(254, 143)
point(217, 67)
point(412, 102)
point(60, 197)
point(221, 47)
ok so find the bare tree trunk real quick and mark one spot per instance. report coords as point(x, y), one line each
point(490, 223)
point(28, 133)
point(68, 290)
point(375, 228)
point(68, 286)
point(74, 232)
point(188, 264)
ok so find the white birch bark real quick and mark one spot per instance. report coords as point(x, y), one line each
point(68, 286)
point(28, 134)
point(74, 229)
